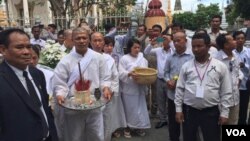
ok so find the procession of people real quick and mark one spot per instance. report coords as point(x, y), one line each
point(202, 83)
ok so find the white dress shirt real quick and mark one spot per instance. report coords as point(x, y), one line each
point(96, 71)
point(216, 83)
point(40, 42)
point(173, 66)
point(213, 36)
point(233, 66)
point(20, 76)
point(161, 56)
point(244, 57)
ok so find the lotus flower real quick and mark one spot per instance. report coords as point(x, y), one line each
point(176, 77)
point(82, 85)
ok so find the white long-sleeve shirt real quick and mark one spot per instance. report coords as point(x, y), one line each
point(161, 56)
point(216, 84)
point(20, 76)
point(233, 66)
point(213, 36)
point(113, 72)
point(244, 57)
point(96, 72)
point(173, 66)
point(40, 42)
point(133, 93)
point(126, 65)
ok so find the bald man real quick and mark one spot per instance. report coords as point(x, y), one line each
point(68, 42)
point(171, 72)
point(78, 125)
point(113, 113)
point(97, 41)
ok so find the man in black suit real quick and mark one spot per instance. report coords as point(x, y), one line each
point(24, 111)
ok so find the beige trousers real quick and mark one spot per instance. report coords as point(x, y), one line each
point(233, 115)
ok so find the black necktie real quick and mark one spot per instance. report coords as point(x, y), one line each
point(36, 100)
point(32, 90)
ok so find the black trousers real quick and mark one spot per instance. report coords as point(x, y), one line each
point(173, 126)
point(244, 100)
point(207, 119)
point(249, 118)
point(49, 138)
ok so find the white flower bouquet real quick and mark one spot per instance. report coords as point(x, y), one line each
point(51, 54)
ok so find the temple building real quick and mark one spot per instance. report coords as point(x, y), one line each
point(178, 7)
point(169, 13)
point(27, 12)
point(155, 15)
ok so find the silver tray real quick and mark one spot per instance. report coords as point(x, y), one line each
point(70, 103)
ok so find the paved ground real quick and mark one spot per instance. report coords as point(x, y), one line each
point(152, 134)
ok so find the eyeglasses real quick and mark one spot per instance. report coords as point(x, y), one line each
point(230, 66)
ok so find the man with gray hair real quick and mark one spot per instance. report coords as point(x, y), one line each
point(77, 125)
point(68, 42)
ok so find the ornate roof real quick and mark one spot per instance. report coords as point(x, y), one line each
point(177, 5)
point(154, 9)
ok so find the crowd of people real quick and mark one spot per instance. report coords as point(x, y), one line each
point(202, 82)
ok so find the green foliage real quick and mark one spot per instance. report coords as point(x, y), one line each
point(242, 8)
point(239, 8)
point(231, 14)
point(186, 19)
point(197, 20)
point(204, 14)
point(120, 6)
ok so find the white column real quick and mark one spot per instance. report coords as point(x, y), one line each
point(26, 13)
point(50, 16)
point(100, 17)
point(224, 23)
point(95, 13)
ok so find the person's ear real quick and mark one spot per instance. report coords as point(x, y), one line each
point(3, 49)
point(1, 46)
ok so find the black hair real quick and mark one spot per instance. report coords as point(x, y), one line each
point(236, 33)
point(1, 29)
point(41, 26)
point(36, 26)
point(176, 24)
point(37, 49)
point(109, 40)
point(165, 32)
point(108, 27)
point(199, 30)
point(5, 35)
point(1, 38)
point(143, 25)
point(216, 16)
point(61, 32)
point(171, 36)
point(221, 40)
point(130, 44)
point(203, 36)
point(52, 25)
point(157, 26)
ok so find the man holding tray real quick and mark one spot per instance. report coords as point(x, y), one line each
point(76, 125)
